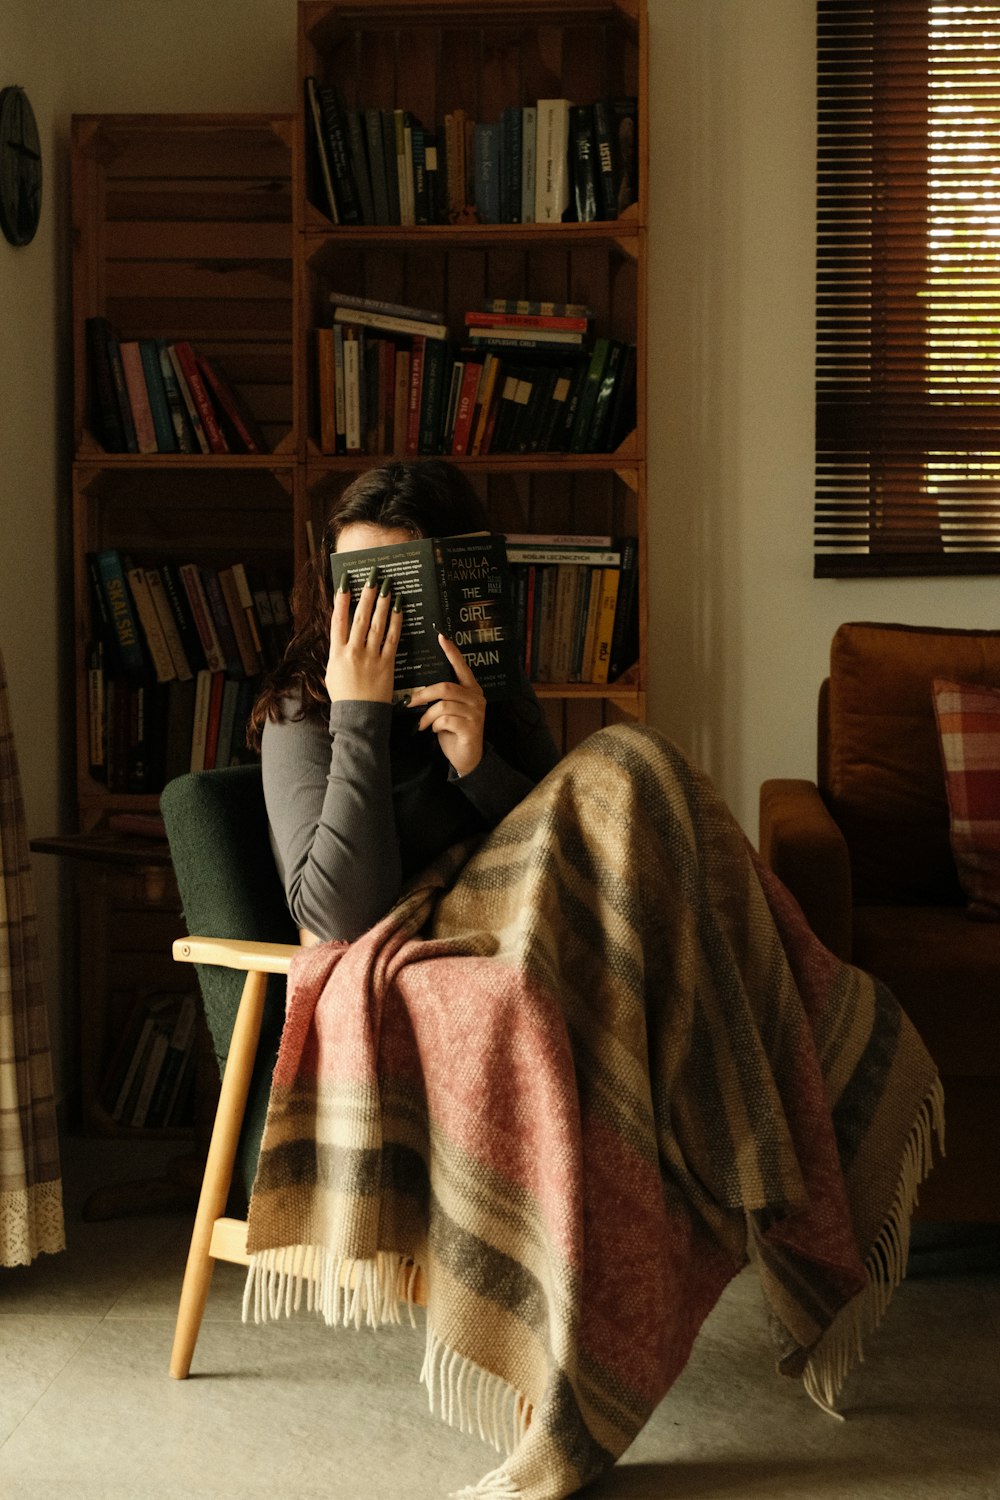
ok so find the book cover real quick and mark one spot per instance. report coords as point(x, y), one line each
point(320, 151)
point(622, 419)
point(166, 440)
point(459, 586)
point(584, 157)
point(190, 404)
point(138, 396)
point(120, 610)
point(597, 437)
point(187, 360)
point(183, 433)
point(103, 412)
point(552, 161)
point(334, 120)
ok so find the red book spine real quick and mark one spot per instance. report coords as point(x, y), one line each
point(199, 393)
point(225, 399)
point(214, 716)
point(524, 320)
point(466, 406)
point(416, 387)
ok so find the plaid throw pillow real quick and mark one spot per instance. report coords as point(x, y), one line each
point(968, 720)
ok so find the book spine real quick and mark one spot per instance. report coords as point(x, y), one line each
point(190, 405)
point(194, 588)
point(600, 420)
point(536, 308)
point(401, 401)
point(111, 571)
point(552, 179)
point(416, 392)
point(183, 435)
point(103, 412)
point(581, 123)
point(176, 597)
point(326, 390)
point(203, 693)
point(223, 624)
point(421, 191)
point(624, 114)
point(487, 171)
point(466, 405)
point(511, 147)
point(525, 321)
point(121, 396)
point(352, 391)
point(580, 435)
point(149, 620)
point(418, 315)
point(248, 654)
point(335, 127)
point(199, 394)
point(529, 123)
point(227, 400)
point(432, 396)
point(567, 586)
point(484, 402)
point(138, 396)
point(604, 149)
point(318, 137)
point(399, 158)
point(390, 322)
point(590, 628)
point(166, 441)
point(151, 1072)
point(359, 164)
point(391, 169)
point(605, 625)
point(625, 633)
point(214, 719)
point(376, 163)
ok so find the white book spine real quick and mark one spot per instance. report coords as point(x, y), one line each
point(551, 168)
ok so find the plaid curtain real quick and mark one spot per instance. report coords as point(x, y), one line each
point(31, 1212)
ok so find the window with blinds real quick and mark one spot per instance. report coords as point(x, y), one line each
point(908, 288)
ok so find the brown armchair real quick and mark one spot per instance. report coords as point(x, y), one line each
point(866, 851)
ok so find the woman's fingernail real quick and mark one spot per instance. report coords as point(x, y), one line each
point(345, 585)
point(397, 605)
point(386, 588)
point(372, 576)
point(405, 700)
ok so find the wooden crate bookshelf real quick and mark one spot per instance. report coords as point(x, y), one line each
point(209, 228)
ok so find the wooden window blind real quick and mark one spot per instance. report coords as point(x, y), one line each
point(908, 288)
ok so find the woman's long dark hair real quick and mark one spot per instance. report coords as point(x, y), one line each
point(425, 498)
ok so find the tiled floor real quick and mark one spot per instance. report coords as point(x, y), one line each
point(300, 1412)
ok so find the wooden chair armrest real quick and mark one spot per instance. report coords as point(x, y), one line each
point(802, 844)
point(234, 953)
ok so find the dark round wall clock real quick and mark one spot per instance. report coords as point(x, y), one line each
point(20, 167)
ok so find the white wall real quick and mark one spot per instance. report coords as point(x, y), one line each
point(740, 631)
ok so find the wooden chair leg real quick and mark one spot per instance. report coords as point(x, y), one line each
point(218, 1171)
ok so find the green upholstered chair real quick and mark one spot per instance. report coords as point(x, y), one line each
point(229, 887)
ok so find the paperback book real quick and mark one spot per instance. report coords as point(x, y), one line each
point(458, 585)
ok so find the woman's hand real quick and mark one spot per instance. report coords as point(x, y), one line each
point(456, 712)
point(363, 649)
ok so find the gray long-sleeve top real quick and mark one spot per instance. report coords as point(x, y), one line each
point(358, 804)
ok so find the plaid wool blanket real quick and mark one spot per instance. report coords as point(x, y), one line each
point(575, 1082)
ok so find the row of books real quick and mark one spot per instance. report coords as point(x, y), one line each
point(150, 1080)
point(546, 162)
point(576, 606)
point(146, 395)
point(391, 382)
point(169, 620)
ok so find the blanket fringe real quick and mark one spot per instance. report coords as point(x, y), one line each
point(842, 1345)
point(497, 1485)
point(343, 1290)
point(473, 1399)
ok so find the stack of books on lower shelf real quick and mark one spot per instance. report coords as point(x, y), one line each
point(149, 1083)
point(576, 605)
point(523, 378)
point(174, 665)
point(146, 395)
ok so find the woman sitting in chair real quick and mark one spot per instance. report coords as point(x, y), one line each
point(362, 792)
